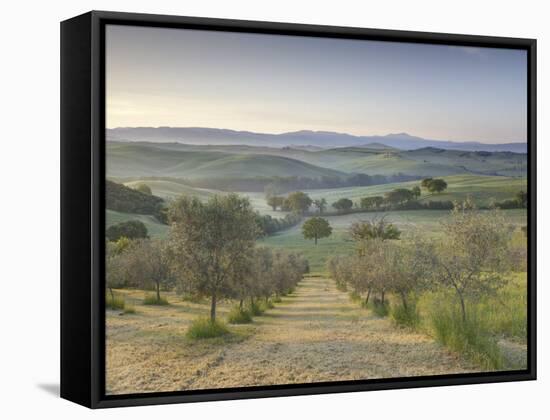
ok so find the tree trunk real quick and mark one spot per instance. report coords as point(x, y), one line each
point(241, 304)
point(158, 291)
point(382, 297)
point(367, 299)
point(404, 300)
point(213, 308)
point(462, 303)
point(462, 307)
point(315, 239)
point(266, 299)
point(112, 296)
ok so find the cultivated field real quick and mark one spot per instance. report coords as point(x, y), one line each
point(315, 334)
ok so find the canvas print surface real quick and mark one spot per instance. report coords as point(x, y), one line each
point(293, 210)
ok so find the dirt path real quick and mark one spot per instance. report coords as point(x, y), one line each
point(319, 335)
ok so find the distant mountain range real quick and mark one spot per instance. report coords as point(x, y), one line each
point(304, 138)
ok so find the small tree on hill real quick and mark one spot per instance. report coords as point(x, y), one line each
point(344, 204)
point(437, 186)
point(321, 205)
point(372, 202)
point(316, 228)
point(426, 182)
point(416, 192)
point(275, 201)
point(398, 196)
point(298, 202)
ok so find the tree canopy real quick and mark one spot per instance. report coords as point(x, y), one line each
point(132, 229)
point(321, 205)
point(343, 204)
point(298, 202)
point(211, 243)
point(434, 185)
point(316, 228)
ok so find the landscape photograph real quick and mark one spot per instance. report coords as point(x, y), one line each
point(289, 210)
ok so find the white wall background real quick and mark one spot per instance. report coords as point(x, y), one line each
point(29, 237)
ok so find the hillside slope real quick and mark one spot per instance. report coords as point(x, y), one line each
point(141, 160)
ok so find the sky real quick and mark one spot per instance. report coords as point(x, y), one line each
point(276, 84)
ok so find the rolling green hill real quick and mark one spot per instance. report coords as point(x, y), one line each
point(422, 162)
point(204, 161)
point(482, 189)
point(167, 189)
point(141, 160)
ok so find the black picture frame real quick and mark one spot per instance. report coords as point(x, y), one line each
point(83, 204)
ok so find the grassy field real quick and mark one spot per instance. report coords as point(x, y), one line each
point(481, 188)
point(171, 189)
point(146, 159)
point(315, 334)
point(425, 221)
point(154, 227)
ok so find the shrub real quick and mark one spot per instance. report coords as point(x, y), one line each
point(255, 309)
point(406, 317)
point(206, 328)
point(277, 299)
point(114, 302)
point(265, 305)
point(132, 229)
point(152, 300)
point(469, 337)
point(380, 308)
point(239, 316)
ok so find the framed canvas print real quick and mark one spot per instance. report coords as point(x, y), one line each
point(255, 209)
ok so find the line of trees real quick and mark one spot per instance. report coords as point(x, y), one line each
point(210, 252)
point(518, 202)
point(472, 259)
point(397, 199)
point(121, 198)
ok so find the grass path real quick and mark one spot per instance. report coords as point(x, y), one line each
point(319, 335)
point(315, 335)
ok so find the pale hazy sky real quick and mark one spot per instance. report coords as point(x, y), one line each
point(275, 84)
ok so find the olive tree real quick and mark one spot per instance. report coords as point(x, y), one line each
point(368, 230)
point(473, 257)
point(149, 265)
point(210, 243)
point(116, 275)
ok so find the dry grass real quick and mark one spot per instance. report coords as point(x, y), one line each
point(316, 334)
